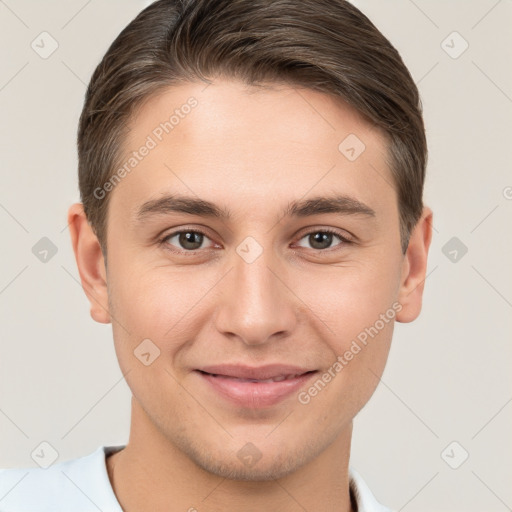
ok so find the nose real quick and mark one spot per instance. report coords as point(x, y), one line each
point(256, 305)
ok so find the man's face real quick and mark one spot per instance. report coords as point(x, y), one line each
point(260, 286)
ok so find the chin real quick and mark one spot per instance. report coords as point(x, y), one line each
point(265, 465)
point(231, 468)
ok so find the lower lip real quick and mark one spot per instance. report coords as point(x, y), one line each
point(255, 394)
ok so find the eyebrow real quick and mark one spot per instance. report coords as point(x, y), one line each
point(175, 203)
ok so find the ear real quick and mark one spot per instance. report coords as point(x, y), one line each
point(90, 262)
point(414, 268)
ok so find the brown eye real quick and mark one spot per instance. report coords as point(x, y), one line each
point(323, 239)
point(320, 240)
point(186, 240)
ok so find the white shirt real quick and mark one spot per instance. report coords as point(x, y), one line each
point(82, 485)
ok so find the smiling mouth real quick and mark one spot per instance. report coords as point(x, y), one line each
point(255, 393)
point(279, 378)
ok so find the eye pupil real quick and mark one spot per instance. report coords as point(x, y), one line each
point(318, 240)
point(190, 240)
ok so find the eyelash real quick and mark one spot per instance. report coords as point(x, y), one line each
point(164, 239)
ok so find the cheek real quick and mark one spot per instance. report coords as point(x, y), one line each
point(158, 303)
point(358, 362)
point(153, 305)
point(350, 299)
point(357, 307)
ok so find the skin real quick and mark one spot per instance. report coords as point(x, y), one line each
point(251, 151)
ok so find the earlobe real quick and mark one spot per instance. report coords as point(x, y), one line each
point(90, 262)
point(414, 268)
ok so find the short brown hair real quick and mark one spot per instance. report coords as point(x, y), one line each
point(325, 45)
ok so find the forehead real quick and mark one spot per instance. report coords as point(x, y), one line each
point(233, 108)
point(228, 141)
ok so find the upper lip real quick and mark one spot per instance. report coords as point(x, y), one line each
point(261, 373)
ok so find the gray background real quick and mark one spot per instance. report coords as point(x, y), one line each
point(448, 378)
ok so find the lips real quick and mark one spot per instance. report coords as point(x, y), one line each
point(278, 378)
point(254, 387)
point(275, 372)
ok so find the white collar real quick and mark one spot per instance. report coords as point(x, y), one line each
point(75, 484)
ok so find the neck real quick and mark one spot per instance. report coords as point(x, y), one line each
point(153, 474)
